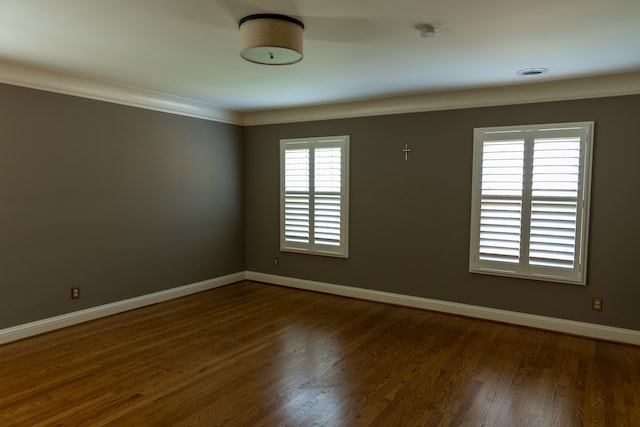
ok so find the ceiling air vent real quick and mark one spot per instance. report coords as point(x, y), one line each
point(532, 71)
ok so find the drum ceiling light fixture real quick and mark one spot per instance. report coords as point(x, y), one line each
point(271, 39)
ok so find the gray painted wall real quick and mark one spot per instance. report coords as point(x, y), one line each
point(409, 222)
point(119, 201)
point(124, 202)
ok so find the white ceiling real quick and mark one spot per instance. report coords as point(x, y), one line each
point(353, 49)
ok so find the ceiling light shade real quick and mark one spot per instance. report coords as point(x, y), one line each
point(271, 39)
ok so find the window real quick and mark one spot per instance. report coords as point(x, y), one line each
point(530, 203)
point(314, 202)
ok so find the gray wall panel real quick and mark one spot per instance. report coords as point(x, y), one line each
point(410, 220)
point(119, 201)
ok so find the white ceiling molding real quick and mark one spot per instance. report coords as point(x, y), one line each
point(35, 78)
point(558, 90)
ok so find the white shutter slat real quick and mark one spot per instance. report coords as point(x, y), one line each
point(553, 236)
point(328, 185)
point(296, 197)
point(296, 170)
point(554, 206)
point(296, 217)
point(501, 205)
point(327, 219)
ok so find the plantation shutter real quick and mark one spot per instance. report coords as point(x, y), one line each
point(314, 181)
point(554, 202)
point(297, 196)
point(328, 197)
point(501, 204)
point(530, 201)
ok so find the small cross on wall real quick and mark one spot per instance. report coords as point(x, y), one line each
point(406, 152)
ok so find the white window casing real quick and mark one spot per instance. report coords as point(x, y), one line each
point(314, 195)
point(530, 201)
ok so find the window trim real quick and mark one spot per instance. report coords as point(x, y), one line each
point(341, 251)
point(524, 269)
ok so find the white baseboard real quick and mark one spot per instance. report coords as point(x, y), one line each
point(584, 329)
point(46, 325)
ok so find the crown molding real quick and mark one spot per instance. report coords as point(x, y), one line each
point(17, 74)
point(23, 75)
point(557, 90)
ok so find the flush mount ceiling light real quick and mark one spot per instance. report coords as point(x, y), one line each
point(532, 71)
point(271, 39)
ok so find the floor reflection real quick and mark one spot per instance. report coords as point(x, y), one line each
point(312, 387)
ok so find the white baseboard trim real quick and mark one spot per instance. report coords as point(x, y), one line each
point(590, 330)
point(47, 325)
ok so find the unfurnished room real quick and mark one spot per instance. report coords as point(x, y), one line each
point(319, 213)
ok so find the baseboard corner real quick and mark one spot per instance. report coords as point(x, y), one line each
point(38, 327)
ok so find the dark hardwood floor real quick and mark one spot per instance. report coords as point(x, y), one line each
point(250, 354)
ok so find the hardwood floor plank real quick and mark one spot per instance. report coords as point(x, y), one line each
point(260, 355)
